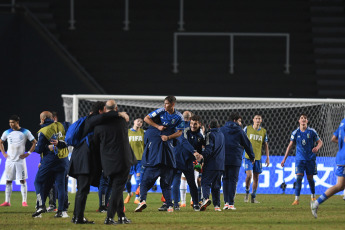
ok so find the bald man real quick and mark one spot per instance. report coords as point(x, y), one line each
point(54, 162)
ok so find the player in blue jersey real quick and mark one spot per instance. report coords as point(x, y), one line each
point(338, 137)
point(158, 159)
point(304, 138)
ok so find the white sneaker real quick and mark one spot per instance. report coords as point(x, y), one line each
point(217, 209)
point(314, 207)
point(64, 214)
point(226, 206)
point(39, 216)
point(232, 207)
point(246, 198)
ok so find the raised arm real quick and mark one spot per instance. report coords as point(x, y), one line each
point(149, 121)
point(172, 136)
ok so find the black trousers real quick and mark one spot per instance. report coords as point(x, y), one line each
point(118, 182)
point(83, 186)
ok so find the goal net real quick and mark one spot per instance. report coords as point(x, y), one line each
point(280, 118)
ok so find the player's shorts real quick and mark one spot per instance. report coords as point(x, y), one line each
point(256, 167)
point(16, 170)
point(340, 171)
point(309, 167)
point(135, 168)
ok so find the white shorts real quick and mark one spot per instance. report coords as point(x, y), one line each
point(16, 170)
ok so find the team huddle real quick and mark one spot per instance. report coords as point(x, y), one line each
point(175, 148)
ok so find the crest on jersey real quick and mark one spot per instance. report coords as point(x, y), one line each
point(173, 121)
point(308, 135)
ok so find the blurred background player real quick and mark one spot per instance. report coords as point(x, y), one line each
point(258, 138)
point(136, 140)
point(214, 156)
point(15, 166)
point(304, 138)
point(338, 137)
point(235, 140)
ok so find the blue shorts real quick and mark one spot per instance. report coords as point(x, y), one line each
point(135, 168)
point(256, 167)
point(340, 171)
point(309, 167)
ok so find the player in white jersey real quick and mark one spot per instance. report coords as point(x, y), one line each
point(15, 167)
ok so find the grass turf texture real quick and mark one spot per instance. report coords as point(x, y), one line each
point(274, 212)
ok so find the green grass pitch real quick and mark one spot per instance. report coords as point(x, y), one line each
point(274, 212)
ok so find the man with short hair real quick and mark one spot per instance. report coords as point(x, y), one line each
point(136, 140)
point(214, 156)
point(235, 140)
point(258, 138)
point(111, 141)
point(338, 137)
point(159, 158)
point(304, 138)
point(15, 166)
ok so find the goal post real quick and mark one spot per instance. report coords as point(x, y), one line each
point(280, 118)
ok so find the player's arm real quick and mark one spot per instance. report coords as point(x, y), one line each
point(25, 155)
point(334, 139)
point(288, 149)
point(267, 154)
point(2, 148)
point(318, 146)
point(172, 136)
point(149, 121)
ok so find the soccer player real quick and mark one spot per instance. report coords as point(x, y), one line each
point(258, 138)
point(304, 138)
point(196, 139)
point(235, 140)
point(15, 166)
point(214, 156)
point(338, 137)
point(136, 140)
point(158, 159)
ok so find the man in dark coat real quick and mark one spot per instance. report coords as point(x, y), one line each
point(85, 164)
point(235, 140)
point(111, 139)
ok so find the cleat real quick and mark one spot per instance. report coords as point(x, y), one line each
point(39, 211)
point(170, 209)
point(164, 207)
point(24, 204)
point(254, 201)
point(39, 216)
point(314, 207)
point(296, 202)
point(5, 204)
point(162, 199)
point(110, 221)
point(124, 220)
point(313, 199)
point(137, 200)
point(232, 207)
point(226, 206)
point(51, 209)
point(183, 205)
point(204, 204)
point(196, 208)
point(102, 209)
point(128, 198)
point(217, 209)
point(64, 214)
point(82, 221)
point(58, 214)
point(177, 208)
point(246, 198)
point(141, 206)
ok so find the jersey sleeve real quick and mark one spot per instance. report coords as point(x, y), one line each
point(266, 138)
point(336, 132)
point(245, 129)
point(4, 136)
point(156, 112)
point(316, 136)
point(293, 136)
point(30, 136)
point(180, 124)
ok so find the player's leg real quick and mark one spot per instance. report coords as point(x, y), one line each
point(167, 175)
point(10, 172)
point(233, 179)
point(189, 174)
point(248, 167)
point(129, 185)
point(300, 168)
point(22, 175)
point(215, 189)
point(176, 189)
point(340, 172)
point(183, 189)
point(138, 181)
point(226, 187)
point(206, 182)
point(257, 170)
point(8, 192)
point(311, 170)
point(60, 186)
